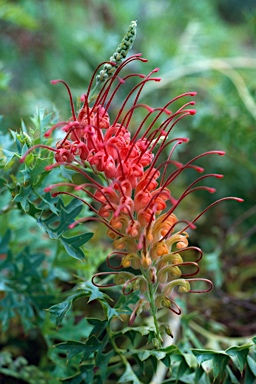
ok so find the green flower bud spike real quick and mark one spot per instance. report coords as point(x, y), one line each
point(115, 60)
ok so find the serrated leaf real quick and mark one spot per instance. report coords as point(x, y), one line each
point(207, 366)
point(112, 313)
point(87, 290)
point(73, 244)
point(49, 203)
point(60, 310)
point(23, 196)
point(38, 170)
point(26, 197)
point(96, 294)
point(102, 360)
point(56, 225)
point(45, 121)
point(85, 376)
point(72, 348)
point(99, 326)
point(92, 291)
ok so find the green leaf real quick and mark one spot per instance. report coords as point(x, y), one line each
point(183, 368)
point(131, 332)
point(219, 360)
point(49, 203)
point(38, 171)
point(98, 325)
point(238, 355)
point(190, 360)
point(102, 360)
point(85, 375)
point(73, 244)
point(129, 376)
point(144, 355)
point(111, 312)
point(170, 351)
point(4, 241)
point(67, 173)
point(60, 310)
point(56, 225)
point(203, 355)
point(28, 200)
point(252, 364)
point(232, 376)
point(199, 373)
point(96, 294)
point(86, 290)
point(9, 155)
point(143, 330)
point(72, 348)
point(23, 197)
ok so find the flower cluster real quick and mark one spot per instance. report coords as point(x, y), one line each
point(131, 186)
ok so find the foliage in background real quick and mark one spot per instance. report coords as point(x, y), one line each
point(50, 39)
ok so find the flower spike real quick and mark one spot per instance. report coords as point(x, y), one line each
point(129, 187)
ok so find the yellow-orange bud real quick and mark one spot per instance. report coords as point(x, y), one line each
point(131, 260)
point(145, 261)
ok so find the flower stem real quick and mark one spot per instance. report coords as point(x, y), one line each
point(153, 309)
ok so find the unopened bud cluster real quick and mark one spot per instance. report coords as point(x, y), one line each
point(119, 55)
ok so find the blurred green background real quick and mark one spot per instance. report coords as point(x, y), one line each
point(207, 46)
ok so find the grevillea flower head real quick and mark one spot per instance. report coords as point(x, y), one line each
point(132, 185)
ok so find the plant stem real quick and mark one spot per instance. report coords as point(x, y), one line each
point(174, 322)
point(153, 312)
point(118, 351)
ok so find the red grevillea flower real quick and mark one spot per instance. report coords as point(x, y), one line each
point(132, 186)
